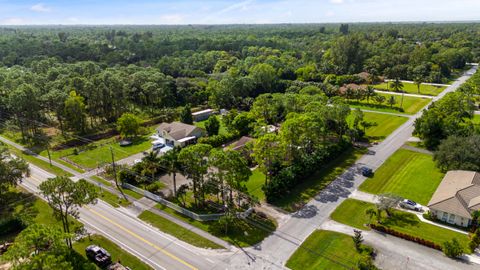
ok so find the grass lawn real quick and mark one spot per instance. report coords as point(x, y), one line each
point(408, 174)
point(311, 186)
point(255, 184)
point(111, 198)
point(476, 119)
point(400, 221)
point(98, 153)
point(118, 254)
point(38, 162)
point(351, 212)
point(411, 88)
point(179, 232)
point(385, 124)
point(244, 234)
point(319, 246)
point(411, 105)
point(221, 131)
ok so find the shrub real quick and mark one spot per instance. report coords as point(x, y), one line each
point(452, 248)
point(154, 187)
point(405, 236)
point(217, 140)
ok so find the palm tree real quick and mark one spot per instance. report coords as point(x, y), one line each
point(374, 213)
point(392, 101)
point(151, 163)
point(171, 164)
point(369, 92)
point(418, 80)
point(397, 85)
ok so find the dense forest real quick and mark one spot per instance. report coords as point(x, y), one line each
point(82, 79)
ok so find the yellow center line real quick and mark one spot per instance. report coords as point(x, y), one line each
point(143, 239)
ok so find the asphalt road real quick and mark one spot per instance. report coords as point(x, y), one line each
point(157, 249)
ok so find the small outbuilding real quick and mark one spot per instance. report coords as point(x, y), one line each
point(202, 115)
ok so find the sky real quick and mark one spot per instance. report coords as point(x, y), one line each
point(67, 12)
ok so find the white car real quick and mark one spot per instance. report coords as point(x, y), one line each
point(136, 161)
point(411, 205)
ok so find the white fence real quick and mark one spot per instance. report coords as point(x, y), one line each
point(188, 213)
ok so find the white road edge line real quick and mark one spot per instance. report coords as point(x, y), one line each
point(140, 256)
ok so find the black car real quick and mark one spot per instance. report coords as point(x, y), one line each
point(99, 255)
point(367, 172)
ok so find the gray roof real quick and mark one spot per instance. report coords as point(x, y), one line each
point(458, 193)
point(177, 130)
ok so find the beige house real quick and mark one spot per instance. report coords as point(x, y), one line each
point(456, 198)
point(179, 134)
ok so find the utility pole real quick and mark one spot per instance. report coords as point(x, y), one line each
point(114, 167)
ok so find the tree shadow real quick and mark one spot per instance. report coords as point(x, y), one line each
point(401, 219)
point(307, 211)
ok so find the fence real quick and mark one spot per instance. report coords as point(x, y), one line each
point(181, 210)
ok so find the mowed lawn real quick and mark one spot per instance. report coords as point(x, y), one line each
point(408, 174)
point(255, 184)
point(384, 124)
point(319, 246)
point(117, 253)
point(98, 153)
point(353, 214)
point(425, 89)
point(476, 119)
point(411, 105)
point(221, 131)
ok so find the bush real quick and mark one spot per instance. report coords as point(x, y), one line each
point(452, 249)
point(154, 187)
point(405, 236)
point(288, 177)
point(217, 140)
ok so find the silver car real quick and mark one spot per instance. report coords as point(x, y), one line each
point(411, 205)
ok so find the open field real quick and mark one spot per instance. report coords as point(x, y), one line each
point(411, 105)
point(411, 88)
point(408, 174)
point(175, 230)
point(385, 124)
point(307, 189)
point(118, 254)
point(255, 184)
point(400, 221)
point(319, 246)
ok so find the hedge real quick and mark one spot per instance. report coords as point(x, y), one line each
point(405, 236)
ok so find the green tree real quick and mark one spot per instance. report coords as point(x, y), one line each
point(24, 102)
point(66, 196)
point(186, 115)
point(453, 248)
point(369, 93)
point(357, 239)
point(128, 125)
point(194, 160)
point(12, 171)
point(39, 247)
point(264, 76)
point(418, 80)
point(267, 152)
point(212, 125)
point(392, 101)
point(170, 162)
point(74, 113)
point(459, 153)
point(243, 123)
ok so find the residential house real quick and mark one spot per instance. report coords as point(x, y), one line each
point(202, 115)
point(179, 134)
point(456, 198)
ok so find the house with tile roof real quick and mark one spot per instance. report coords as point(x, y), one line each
point(179, 134)
point(456, 198)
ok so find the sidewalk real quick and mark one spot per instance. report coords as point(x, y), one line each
point(405, 94)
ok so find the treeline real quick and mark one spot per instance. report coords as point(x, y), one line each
point(82, 79)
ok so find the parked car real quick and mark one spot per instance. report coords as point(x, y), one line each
point(411, 205)
point(98, 255)
point(158, 146)
point(366, 171)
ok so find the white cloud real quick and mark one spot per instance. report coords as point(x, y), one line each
point(13, 21)
point(172, 19)
point(40, 8)
point(336, 1)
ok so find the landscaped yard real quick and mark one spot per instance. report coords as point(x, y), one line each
point(318, 250)
point(411, 105)
point(117, 253)
point(401, 221)
point(244, 234)
point(385, 124)
point(311, 186)
point(351, 212)
point(408, 174)
point(221, 131)
point(411, 88)
point(476, 119)
point(98, 153)
point(255, 184)
point(179, 232)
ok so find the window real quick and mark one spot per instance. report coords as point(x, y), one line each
point(451, 219)
point(445, 216)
